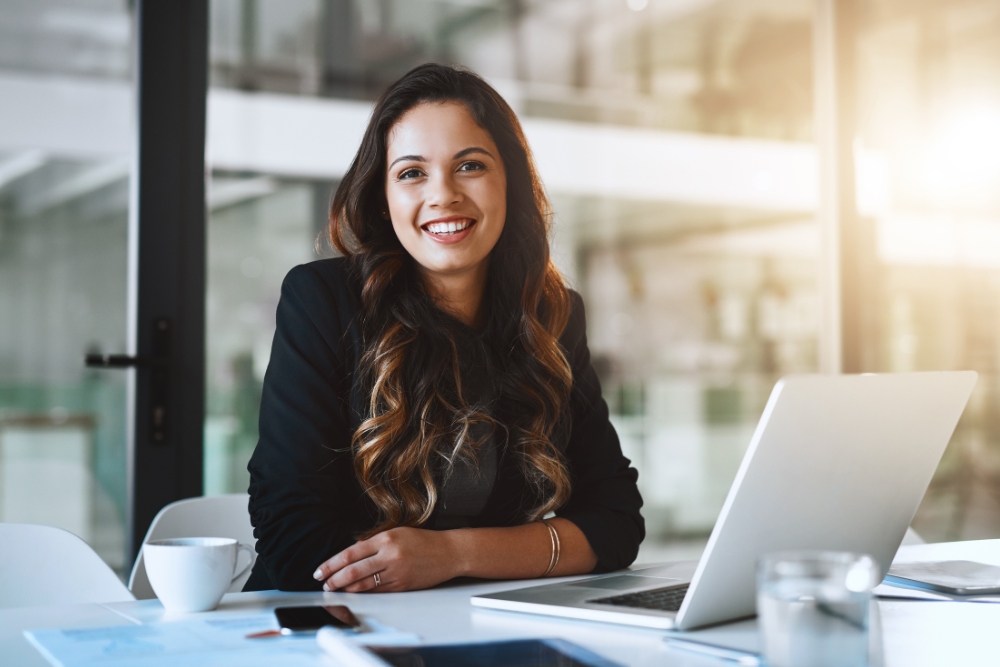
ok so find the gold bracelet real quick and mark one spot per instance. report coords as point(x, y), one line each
point(556, 548)
point(552, 553)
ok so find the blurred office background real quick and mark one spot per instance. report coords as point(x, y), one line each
point(677, 141)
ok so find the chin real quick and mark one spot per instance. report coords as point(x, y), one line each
point(449, 269)
point(446, 266)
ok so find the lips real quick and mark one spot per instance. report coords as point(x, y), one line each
point(448, 230)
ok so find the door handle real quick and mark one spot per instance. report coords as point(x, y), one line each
point(159, 365)
point(122, 361)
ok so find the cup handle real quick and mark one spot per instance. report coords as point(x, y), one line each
point(240, 546)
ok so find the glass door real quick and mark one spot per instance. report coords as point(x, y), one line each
point(65, 146)
point(102, 226)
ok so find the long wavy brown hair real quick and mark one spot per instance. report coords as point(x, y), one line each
point(417, 414)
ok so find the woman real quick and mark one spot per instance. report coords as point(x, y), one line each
point(430, 396)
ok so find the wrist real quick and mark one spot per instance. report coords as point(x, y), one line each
point(459, 551)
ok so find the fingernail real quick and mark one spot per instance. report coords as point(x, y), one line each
point(326, 587)
point(318, 574)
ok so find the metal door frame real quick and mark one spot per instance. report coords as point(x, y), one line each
point(167, 261)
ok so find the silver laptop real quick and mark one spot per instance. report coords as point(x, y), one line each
point(837, 462)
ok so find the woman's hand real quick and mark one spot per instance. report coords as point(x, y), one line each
point(408, 559)
point(405, 559)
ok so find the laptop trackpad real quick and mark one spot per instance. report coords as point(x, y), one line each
point(625, 582)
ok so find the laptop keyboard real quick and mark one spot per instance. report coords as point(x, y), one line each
point(668, 598)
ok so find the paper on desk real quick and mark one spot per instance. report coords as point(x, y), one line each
point(200, 642)
point(897, 591)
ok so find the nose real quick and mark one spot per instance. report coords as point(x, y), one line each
point(443, 191)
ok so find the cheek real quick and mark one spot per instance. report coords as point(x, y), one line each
point(398, 227)
point(490, 196)
point(498, 206)
point(409, 236)
point(402, 212)
point(396, 201)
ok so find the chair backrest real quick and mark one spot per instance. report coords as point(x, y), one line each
point(42, 565)
point(209, 516)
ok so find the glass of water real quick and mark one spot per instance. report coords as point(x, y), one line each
point(813, 608)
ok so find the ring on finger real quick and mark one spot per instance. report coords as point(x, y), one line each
point(378, 580)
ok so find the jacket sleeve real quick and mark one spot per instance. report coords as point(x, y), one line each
point(305, 504)
point(605, 500)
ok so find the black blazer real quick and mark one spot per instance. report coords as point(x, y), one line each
point(306, 504)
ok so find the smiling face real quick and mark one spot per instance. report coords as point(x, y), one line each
point(447, 190)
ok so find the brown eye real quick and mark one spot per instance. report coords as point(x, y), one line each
point(471, 166)
point(408, 174)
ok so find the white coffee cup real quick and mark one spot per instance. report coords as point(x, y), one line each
point(191, 574)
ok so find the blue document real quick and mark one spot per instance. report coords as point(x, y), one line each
point(219, 641)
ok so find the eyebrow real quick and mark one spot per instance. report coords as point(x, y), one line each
point(459, 154)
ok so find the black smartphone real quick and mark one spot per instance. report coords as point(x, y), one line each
point(310, 619)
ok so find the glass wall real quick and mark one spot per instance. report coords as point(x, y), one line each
point(690, 232)
point(258, 228)
point(64, 150)
point(929, 105)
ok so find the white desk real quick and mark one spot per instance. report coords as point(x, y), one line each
point(914, 633)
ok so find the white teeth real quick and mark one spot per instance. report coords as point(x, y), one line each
point(447, 227)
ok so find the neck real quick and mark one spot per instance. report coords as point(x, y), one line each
point(459, 294)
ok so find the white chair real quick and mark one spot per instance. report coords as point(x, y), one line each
point(42, 565)
point(209, 516)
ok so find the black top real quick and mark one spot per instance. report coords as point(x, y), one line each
point(305, 502)
point(464, 484)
